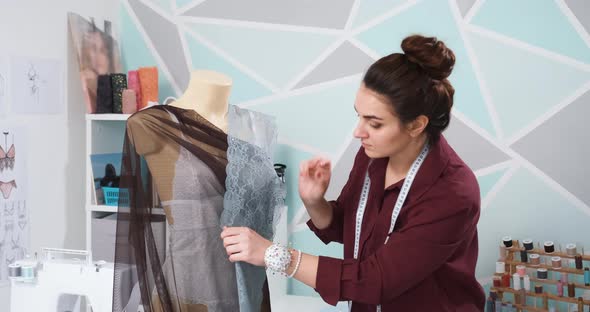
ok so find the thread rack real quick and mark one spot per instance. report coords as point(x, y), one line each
point(515, 276)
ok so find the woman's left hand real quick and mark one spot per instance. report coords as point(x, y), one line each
point(244, 244)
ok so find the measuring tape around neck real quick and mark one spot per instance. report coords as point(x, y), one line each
point(396, 209)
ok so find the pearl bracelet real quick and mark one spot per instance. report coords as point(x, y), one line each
point(296, 265)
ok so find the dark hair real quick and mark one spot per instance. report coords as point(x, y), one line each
point(415, 83)
point(110, 178)
point(110, 171)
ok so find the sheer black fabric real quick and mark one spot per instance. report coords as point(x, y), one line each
point(168, 250)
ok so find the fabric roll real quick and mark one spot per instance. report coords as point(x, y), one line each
point(134, 84)
point(148, 80)
point(129, 101)
point(118, 83)
point(104, 95)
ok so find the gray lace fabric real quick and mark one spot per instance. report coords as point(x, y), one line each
point(254, 194)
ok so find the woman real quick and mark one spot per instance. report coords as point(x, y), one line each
point(419, 257)
point(97, 58)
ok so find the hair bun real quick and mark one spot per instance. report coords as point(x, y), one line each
point(430, 54)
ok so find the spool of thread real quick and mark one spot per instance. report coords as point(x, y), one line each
point(527, 283)
point(493, 294)
point(556, 262)
point(497, 281)
point(549, 247)
point(506, 280)
point(564, 278)
point(571, 290)
point(538, 289)
point(498, 306)
point(521, 270)
point(586, 276)
point(560, 288)
point(502, 253)
point(14, 270)
point(542, 273)
point(524, 256)
point(27, 271)
point(500, 267)
point(570, 249)
point(535, 259)
point(579, 262)
point(507, 240)
point(528, 244)
point(516, 281)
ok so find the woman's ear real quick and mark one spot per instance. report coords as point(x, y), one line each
point(417, 126)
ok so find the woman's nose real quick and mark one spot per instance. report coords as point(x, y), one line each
point(359, 133)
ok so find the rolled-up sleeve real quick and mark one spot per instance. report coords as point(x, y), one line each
point(410, 255)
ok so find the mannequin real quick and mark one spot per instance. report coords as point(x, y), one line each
point(207, 94)
point(205, 101)
point(190, 147)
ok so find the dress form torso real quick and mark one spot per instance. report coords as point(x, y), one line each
point(192, 192)
point(174, 170)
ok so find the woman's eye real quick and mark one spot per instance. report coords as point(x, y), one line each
point(375, 126)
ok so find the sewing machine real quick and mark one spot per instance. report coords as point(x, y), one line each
point(63, 273)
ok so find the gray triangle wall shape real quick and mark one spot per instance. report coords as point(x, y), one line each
point(559, 145)
point(475, 150)
point(346, 60)
point(581, 10)
point(324, 13)
point(165, 37)
point(464, 6)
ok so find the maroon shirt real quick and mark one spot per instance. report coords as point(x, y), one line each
point(429, 261)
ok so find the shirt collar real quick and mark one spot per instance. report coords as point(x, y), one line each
point(431, 169)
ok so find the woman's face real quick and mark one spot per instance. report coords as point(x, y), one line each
point(382, 133)
point(97, 51)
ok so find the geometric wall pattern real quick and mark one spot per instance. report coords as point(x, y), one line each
point(522, 83)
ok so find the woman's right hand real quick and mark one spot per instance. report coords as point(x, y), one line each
point(314, 178)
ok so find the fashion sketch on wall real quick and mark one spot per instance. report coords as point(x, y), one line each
point(14, 217)
point(36, 85)
point(97, 52)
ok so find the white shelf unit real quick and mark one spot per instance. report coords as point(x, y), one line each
point(104, 134)
point(107, 117)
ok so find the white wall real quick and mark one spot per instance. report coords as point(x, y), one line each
point(55, 159)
